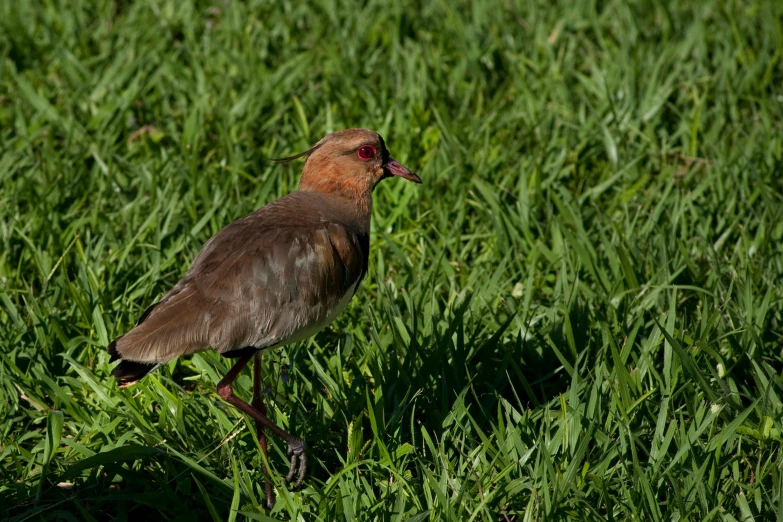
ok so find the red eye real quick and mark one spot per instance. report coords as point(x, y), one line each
point(366, 152)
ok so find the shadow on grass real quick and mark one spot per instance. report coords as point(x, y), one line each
point(420, 383)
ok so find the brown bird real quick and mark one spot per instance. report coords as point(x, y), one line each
point(271, 278)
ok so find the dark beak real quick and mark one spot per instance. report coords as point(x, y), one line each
point(392, 168)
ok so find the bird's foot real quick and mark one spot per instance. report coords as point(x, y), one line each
point(297, 451)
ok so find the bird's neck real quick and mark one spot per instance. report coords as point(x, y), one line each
point(354, 193)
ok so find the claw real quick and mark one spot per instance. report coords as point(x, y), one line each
point(292, 469)
point(302, 470)
point(297, 450)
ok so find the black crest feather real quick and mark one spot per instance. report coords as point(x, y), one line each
point(300, 155)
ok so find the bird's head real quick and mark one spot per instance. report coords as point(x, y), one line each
point(349, 163)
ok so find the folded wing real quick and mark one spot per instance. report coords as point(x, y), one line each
point(253, 285)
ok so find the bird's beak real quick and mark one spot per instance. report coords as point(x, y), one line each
point(393, 168)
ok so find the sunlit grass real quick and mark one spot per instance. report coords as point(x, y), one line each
point(576, 317)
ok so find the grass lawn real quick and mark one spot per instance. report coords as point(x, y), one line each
point(577, 316)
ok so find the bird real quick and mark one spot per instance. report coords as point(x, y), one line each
point(271, 278)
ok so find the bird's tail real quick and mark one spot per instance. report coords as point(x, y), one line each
point(166, 330)
point(127, 372)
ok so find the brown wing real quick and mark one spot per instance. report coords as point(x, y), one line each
point(267, 279)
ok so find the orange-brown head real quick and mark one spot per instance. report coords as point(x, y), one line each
point(349, 163)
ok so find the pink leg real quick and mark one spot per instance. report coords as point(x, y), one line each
point(258, 404)
point(296, 446)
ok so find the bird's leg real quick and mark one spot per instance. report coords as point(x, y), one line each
point(296, 447)
point(258, 404)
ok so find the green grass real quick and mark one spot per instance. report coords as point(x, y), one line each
point(576, 317)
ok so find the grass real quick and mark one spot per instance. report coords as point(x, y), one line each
point(576, 317)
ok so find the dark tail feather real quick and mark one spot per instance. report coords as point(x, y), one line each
point(127, 372)
point(130, 372)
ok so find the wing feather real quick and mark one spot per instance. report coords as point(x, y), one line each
point(252, 285)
